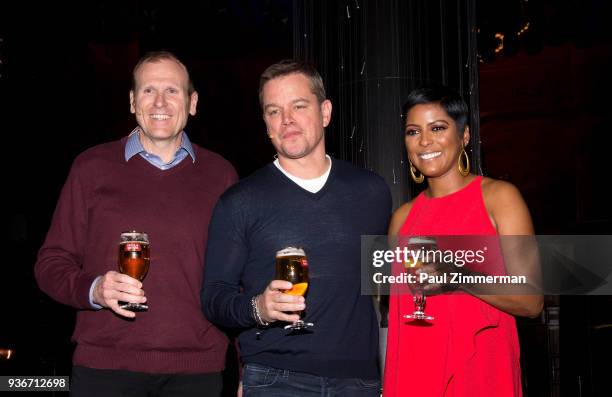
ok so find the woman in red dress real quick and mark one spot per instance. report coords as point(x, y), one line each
point(471, 348)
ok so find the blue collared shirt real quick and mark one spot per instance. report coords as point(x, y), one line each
point(133, 147)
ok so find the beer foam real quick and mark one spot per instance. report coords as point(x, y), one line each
point(421, 240)
point(135, 237)
point(290, 251)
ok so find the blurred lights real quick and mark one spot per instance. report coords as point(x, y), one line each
point(6, 354)
point(499, 37)
point(500, 45)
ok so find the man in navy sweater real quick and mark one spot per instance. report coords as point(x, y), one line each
point(303, 199)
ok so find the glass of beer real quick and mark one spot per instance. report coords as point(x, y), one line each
point(418, 249)
point(134, 261)
point(292, 266)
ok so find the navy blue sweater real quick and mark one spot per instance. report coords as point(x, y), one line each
point(267, 212)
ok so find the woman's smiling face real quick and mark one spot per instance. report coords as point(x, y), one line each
point(432, 140)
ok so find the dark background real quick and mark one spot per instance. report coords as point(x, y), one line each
point(544, 111)
point(66, 72)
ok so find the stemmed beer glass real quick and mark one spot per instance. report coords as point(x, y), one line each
point(134, 261)
point(292, 266)
point(420, 246)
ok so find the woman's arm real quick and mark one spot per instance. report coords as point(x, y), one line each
point(510, 216)
point(398, 218)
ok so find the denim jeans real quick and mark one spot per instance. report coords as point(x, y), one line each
point(259, 380)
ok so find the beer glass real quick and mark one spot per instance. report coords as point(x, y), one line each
point(419, 246)
point(292, 266)
point(134, 261)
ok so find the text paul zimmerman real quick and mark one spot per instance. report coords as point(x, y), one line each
point(447, 278)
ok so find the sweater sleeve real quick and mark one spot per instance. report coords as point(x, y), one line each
point(59, 268)
point(223, 303)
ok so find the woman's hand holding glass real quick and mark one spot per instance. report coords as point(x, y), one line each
point(437, 277)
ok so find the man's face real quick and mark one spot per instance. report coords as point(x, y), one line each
point(161, 101)
point(294, 118)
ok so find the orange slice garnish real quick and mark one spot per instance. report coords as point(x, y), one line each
point(298, 289)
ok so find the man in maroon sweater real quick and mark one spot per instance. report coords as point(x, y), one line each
point(153, 181)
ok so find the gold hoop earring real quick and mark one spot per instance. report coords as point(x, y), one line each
point(464, 170)
point(416, 179)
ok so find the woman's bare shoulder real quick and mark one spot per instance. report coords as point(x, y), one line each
point(496, 191)
point(506, 207)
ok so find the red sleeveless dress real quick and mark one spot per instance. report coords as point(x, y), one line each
point(471, 348)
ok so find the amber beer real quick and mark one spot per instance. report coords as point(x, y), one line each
point(422, 246)
point(134, 260)
point(292, 266)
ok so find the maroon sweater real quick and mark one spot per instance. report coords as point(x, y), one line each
point(104, 196)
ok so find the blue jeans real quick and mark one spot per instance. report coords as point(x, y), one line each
point(259, 380)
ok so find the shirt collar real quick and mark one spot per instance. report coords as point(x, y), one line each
point(133, 146)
